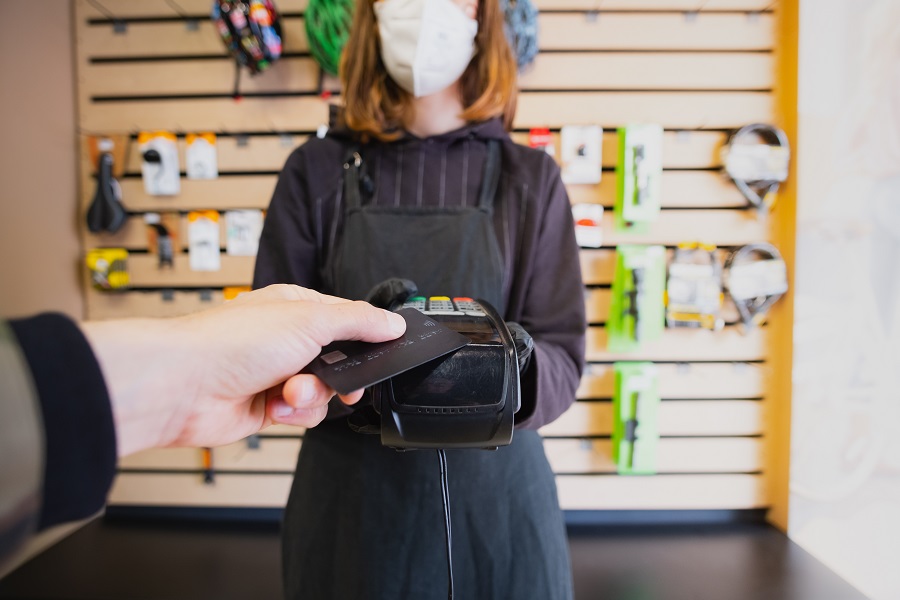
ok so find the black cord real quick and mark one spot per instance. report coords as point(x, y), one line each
point(445, 492)
point(102, 9)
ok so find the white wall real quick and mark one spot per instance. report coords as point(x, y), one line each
point(39, 247)
point(845, 457)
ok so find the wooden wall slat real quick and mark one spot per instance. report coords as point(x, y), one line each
point(673, 110)
point(273, 454)
point(688, 5)
point(720, 418)
point(269, 152)
point(616, 31)
point(151, 489)
point(160, 8)
point(596, 304)
point(576, 492)
point(687, 381)
point(680, 189)
point(245, 191)
point(630, 71)
point(681, 149)
point(597, 266)
point(142, 39)
point(676, 418)
point(153, 8)
point(686, 345)
point(650, 70)
point(636, 31)
point(667, 492)
point(145, 272)
point(304, 113)
point(125, 305)
point(713, 455)
point(195, 77)
point(721, 227)
point(709, 455)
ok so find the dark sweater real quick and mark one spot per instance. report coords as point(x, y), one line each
point(80, 438)
point(542, 287)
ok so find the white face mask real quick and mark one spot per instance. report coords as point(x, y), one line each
point(426, 45)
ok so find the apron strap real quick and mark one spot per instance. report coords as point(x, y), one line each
point(352, 168)
point(491, 181)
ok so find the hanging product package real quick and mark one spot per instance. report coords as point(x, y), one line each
point(635, 434)
point(108, 268)
point(252, 33)
point(203, 240)
point(162, 236)
point(201, 156)
point(243, 229)
point(694, 289)
point(540, 138)
point(233, 291)
point(757, 158)
point(755, 277)
point(160, 168)
point(106, 212)
point(637, 311)
point(588, 224)
point(581, 147)
point(638, 177)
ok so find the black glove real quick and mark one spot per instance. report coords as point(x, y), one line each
point(391, 293)
point(524, 345)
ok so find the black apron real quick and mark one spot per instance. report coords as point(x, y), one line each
point(366, 522)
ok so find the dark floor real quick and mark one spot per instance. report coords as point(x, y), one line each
point(127, 559)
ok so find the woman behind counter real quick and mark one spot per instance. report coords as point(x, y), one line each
point(430, 88)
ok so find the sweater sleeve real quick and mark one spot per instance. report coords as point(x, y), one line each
point(287, 246)
point(79, 432)
point(293, 233)
point(553, 312)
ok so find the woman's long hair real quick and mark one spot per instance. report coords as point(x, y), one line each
point(374, 105)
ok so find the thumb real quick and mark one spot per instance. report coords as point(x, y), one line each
point(359, 321)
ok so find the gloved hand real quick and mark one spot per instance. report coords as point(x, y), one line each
point(524, 345)
point(391, 293)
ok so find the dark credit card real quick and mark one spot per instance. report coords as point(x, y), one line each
point(351, 365)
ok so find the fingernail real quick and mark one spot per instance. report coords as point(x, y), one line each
point(397, 323)
point(305, 394)
point(282, 409)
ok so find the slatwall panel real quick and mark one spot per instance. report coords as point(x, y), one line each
point(698, 67)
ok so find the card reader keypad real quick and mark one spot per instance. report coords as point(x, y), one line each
point(444, 305)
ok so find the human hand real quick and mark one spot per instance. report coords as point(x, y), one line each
point(219, 375)
point(391, 293)
point(524, 345)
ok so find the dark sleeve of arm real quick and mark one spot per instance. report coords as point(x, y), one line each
point(553, 314)
point(80, 436)
point(287, 246)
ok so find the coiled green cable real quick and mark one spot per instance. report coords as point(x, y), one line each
point(327, 27)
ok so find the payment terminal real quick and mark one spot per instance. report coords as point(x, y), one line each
point(466, 399)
